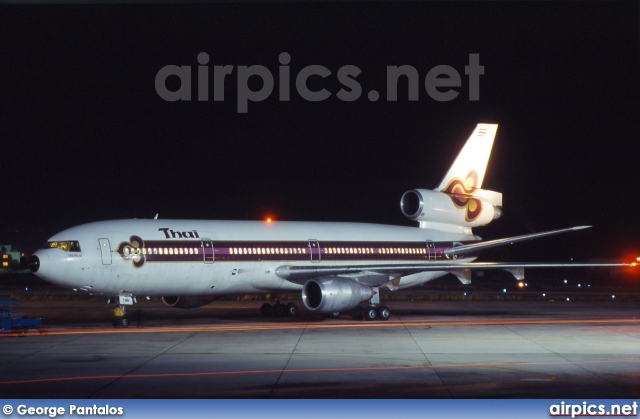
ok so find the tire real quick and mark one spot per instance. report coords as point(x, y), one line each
point(292, 310)
point(125, 322)
point(384, 313)
point(370, 313)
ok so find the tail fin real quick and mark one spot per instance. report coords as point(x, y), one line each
point(467, 172)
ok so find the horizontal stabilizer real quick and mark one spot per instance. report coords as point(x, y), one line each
point(494, 198)
point(475, 247)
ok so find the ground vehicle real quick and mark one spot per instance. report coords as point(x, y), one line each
point(21, 325)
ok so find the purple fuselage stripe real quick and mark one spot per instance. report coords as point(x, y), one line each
point(247, 251)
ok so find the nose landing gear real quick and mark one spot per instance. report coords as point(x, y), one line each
point(120, 319)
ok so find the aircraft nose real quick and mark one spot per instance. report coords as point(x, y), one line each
point(46, 267)
point(39, 264)
point(34, 263)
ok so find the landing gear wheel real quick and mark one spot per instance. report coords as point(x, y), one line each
point(370, 313)
point(292, 310)
point(121, 321)
point(357, 313)
point(266, 310)
point(384, 313)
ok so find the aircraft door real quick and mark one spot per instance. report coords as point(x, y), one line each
point(207, 250)
point(314, 249)
point(431, 250)
point(105, 251)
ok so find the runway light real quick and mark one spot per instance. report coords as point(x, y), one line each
point(579, 285)
point(544, 295)
point(465, 294)
point(520, 284)
point(588, 285)
point(567, 298)
point(26, 288)
point(269, 219)
point(504, 290)
point(565, 281)
point(613, 296)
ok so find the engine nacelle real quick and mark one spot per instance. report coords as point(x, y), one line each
point(425, 205)
point(188, 302)
point(334, 294)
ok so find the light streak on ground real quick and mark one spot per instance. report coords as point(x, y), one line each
point(226, 327)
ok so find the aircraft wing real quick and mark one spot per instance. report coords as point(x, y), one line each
point(300, 274)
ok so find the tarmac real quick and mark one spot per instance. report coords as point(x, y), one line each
point(428, 349)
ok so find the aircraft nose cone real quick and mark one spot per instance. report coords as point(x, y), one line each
point(34, 263)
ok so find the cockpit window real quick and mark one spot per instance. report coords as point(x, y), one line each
point(69, 246)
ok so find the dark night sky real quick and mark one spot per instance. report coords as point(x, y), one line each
point(85, 137)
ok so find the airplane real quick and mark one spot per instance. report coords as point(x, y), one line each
point(335, 266)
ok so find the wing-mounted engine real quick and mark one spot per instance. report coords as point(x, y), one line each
point(434, 209)
point(188, 302)
point(334, 294)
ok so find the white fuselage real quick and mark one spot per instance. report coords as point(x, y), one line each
point(189, 258)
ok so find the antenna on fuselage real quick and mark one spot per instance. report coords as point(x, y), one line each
point(156, 217)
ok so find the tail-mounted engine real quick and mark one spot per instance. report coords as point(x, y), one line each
point(427, 206)
point(331, 295)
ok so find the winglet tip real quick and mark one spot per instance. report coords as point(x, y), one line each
point(581, 227)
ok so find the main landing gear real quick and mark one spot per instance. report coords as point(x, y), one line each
point(373, 311)
point(278, 309)
point(370, 313)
